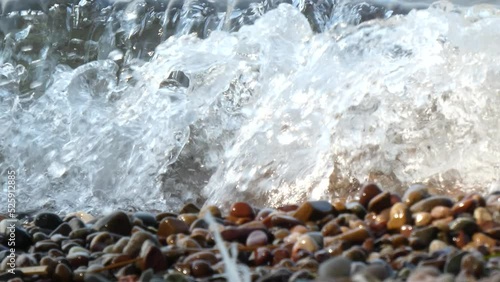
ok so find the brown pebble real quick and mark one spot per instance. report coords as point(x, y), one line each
point(479, 239)
point(279, 254)
point(441, 212)
point(415, 193)
point(482, 215)
point(213, 210)
point(380, 202)
point(189, 208)
point(427, 204)
point(461, 239)
point(152, 257)
point(134, 244)
point(278, 220)
point(368, 192)
point(262, 256)
point(399, 216)
point(331, 229)
point(313, 210)
point(467, 205)
point(242, 209)
point(201, 268)
point(62, 273)
point(422, 218)
point(357, 235)
point(473, 265)
point(188, 218)
point(305, 242)
point(202, 255)
point(117, 222)
point(169, 226)
point(100, 241)
point(443, 224)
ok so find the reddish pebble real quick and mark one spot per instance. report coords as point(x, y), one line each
point(242, 209)
point(262, 256)
point(368, 192)
point(201, 268)
point(380, 202)
point(280, 254)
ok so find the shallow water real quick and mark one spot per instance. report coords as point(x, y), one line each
point(142, 109)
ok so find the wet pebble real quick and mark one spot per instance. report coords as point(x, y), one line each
point(47, 220)
point(367, 193)
point(169, 226)
point(399, 216)
point(380, 202)
point(427, 204)
point(337, 267)
point(117, 222)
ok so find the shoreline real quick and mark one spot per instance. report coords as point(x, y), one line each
point(382, 236)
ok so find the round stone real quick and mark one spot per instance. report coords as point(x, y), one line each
point(201, 268)
point(466, 205)
point(147, 218)
point(305, 242)
point(437, 245)
point(257, 238)
point(117, 222)
point(100, 241)
point(62, 273)
point(134, 244)
point(47, 220)
point(330, 229)
point(473, 265)
point(399, 215)
point(415, 193)
point(152, 257)
point(427, 204)
point(169, 226)
point(482, 215)
point(313, 210)
point(465, 224)
point(441, 212)
point(202, 255)
point(425, 234)
point(335, 268)
point(190, 208)
point(422, 219)
point(380, 202)
point(367, 193)
point(242, 209)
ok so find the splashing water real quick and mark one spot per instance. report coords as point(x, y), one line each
point(271, 113)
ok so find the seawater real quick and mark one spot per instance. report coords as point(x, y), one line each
point(272, 108)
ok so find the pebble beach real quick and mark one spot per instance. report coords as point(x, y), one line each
point(382, 236)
